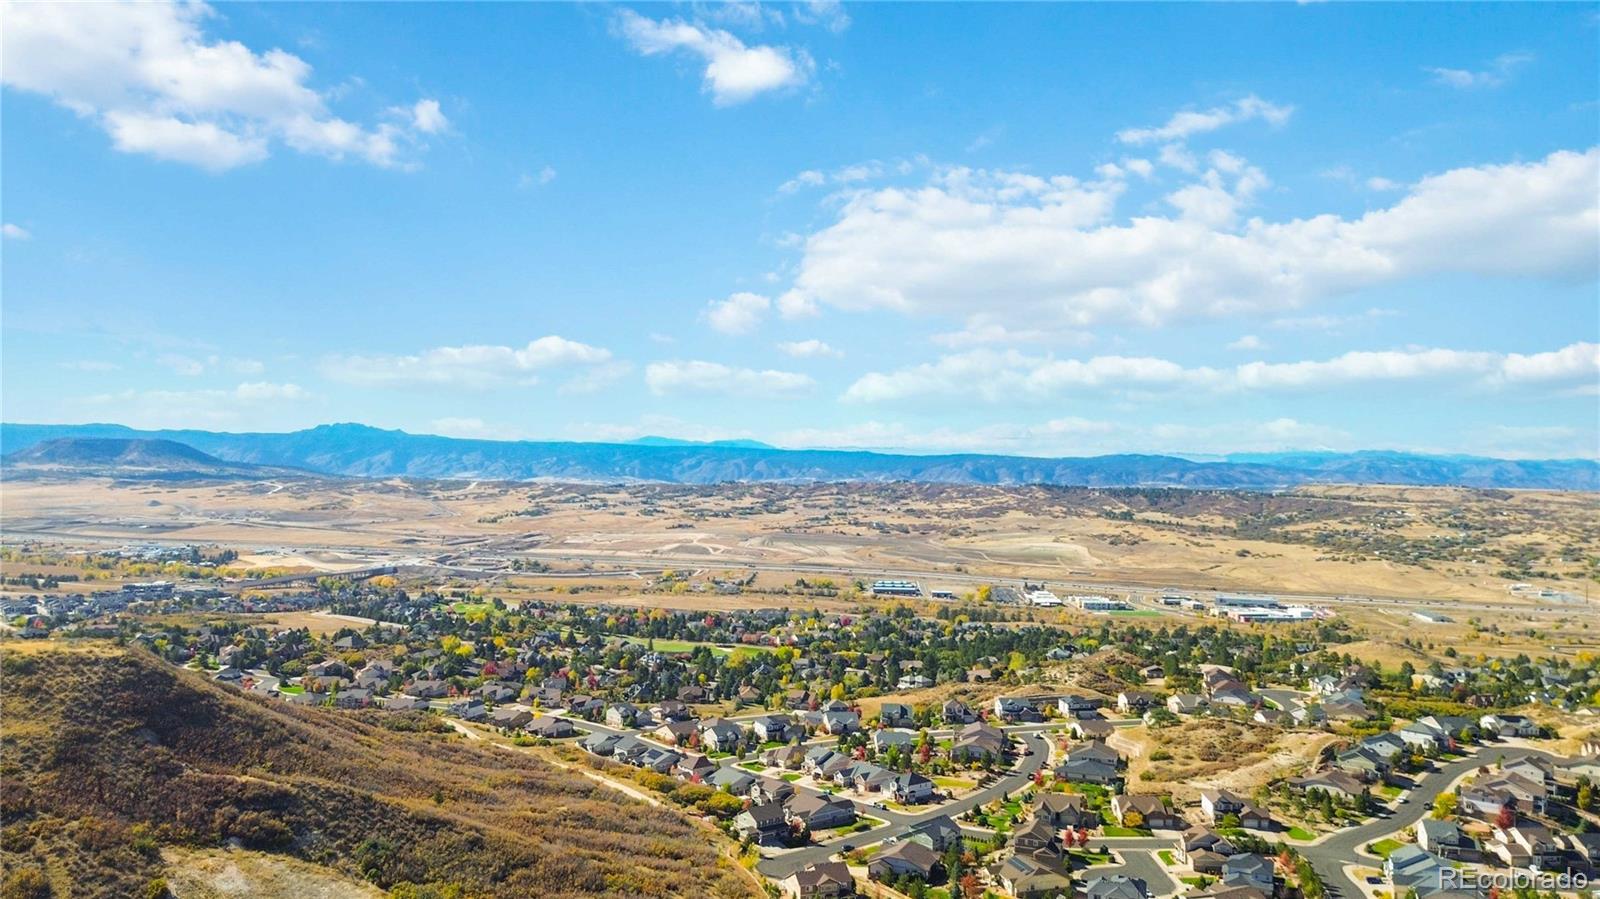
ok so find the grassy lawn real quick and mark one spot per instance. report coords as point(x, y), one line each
point(1382, 848)
point(1167, 858)
point(752, 766)
point(1300, 833)
point(1196, 881)
point(1090, 858)
point(467, 608)
point(719, 755)
point(291, 688)
point(1389, 791)
point(664, 645)
point(1117, 830)
point(791, 776)
point(954, 783)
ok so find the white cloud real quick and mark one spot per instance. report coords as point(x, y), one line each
point(740, 313)
point(808, 349)
point(1379, 183)
point(428, 118)
point(149, 76)
point(734, 72)
point(183, 365)
point(828, 13)
point(1577, 361)
point(542, 177)
point(1247, 342)
point(95, 365)
point(1498, 72)
point(1049, 252)
point(475, 366)
point(1191, 122)
point(664, 378)
point(15, 232)
point(264, 391)
point(1003, 377)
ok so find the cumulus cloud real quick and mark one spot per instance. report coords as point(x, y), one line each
point(740, 313)
point(1188, 123)
point(474, 366)
point(1499, 72)
point(699, 377)
point(1049, 251)
point(808, 349)
point(251, 403)
point(1010, 377)
point(1247, 342)
point(151, 78)
point(15, 232)
point(734, 72)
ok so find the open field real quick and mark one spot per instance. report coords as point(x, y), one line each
point(1452, 549)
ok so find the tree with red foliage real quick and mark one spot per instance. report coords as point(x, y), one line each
point(1507, 817)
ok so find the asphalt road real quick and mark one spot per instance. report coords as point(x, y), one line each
point(787, 863)
point(1330, 855)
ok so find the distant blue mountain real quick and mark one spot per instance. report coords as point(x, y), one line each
point(355, 450)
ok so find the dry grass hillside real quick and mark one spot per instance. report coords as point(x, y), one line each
point(110, 757)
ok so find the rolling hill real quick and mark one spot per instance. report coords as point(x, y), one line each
point(131, 458)
point(355, 450)
point(114, 761)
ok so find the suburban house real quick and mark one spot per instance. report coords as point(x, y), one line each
point(1065, 810)
point(1087, 770)
point(1527, 844)
point(1075, 706)
point(905, 859)
point(1196, 840)
point(1338, 784)
point(955, 711)
point(1135, 702)
point(820, 812)
point(790, 756)
point(1217, 804)
point(772, 728)
point(1116, 886)
point(1145, 810)
point(622, 714)
point(764, 825)
point(733, 780)
point(1015, 709)
point(550, 727)
point(1411, 867)
point(937, 833)
point(824, 880)
point(1502, 725)
point(978, 740)
point(1038, 839)
point(884, 738)
point(1025, 878)
point(896, 714)
point(676, 733)
point(1249, 869)
point(1092, 729)
point(1186, 704)
point(911, 789)
point(839, 722)
point(720, 735)
point(1445, 839)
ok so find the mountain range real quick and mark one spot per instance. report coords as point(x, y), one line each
point(354, 450)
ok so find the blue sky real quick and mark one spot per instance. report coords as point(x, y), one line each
point(1039, 229)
